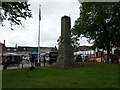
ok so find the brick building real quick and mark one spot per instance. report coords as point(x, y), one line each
point(2, 47)
point(21, 50)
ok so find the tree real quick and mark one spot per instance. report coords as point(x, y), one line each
point(14, 11)
point(99, 22)
point(74, 41)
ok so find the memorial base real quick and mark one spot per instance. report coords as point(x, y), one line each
point(67, 66)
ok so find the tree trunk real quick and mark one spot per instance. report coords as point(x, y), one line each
point(107, 40)
point(108, 51)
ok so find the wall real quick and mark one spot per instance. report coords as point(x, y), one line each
point(1, 53)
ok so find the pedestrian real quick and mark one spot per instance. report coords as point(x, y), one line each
point(32, 62)
point(5, 63)
point(79, 58)
point(44, 60)
point(22, 61)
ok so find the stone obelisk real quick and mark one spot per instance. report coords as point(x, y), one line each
point(65, 57)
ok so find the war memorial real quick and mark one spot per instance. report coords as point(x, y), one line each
point(65, 57)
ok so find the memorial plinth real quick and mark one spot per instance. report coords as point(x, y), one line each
point(65, 58)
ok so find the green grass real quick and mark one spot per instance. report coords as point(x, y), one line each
point(89, 75)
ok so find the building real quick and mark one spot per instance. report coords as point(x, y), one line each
point(2, 48)
point(27, 49)
point(21, 50)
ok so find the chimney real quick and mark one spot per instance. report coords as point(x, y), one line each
point(16, 45)
point(4, 42)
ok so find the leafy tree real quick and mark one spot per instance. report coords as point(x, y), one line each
point(14, 11)
point(99, 22)
point(74, 41)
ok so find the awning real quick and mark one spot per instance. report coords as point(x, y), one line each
point(25, 55)
point(34, 53)
point(9, 54)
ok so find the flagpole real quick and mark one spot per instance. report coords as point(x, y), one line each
point(39, 35)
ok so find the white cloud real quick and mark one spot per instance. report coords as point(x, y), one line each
point(50, 24)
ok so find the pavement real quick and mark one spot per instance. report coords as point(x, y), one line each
point(1, 67)
point(20, 66)
point(15, 66)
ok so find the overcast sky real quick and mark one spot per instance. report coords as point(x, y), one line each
point(50, 24)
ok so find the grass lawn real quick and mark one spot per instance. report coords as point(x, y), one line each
point(89, 75)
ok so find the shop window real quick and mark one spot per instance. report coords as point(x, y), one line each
point(24, 49)
point(8, 49)
point(15, 49)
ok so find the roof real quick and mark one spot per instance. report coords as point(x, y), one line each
point(2, 43)
point(34, 47)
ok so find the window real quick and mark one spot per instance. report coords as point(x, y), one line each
point(15, 49)
point(8, 49)
point(24, 49)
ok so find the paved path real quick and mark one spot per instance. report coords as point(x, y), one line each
point(17, 67)
point(1, 67)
